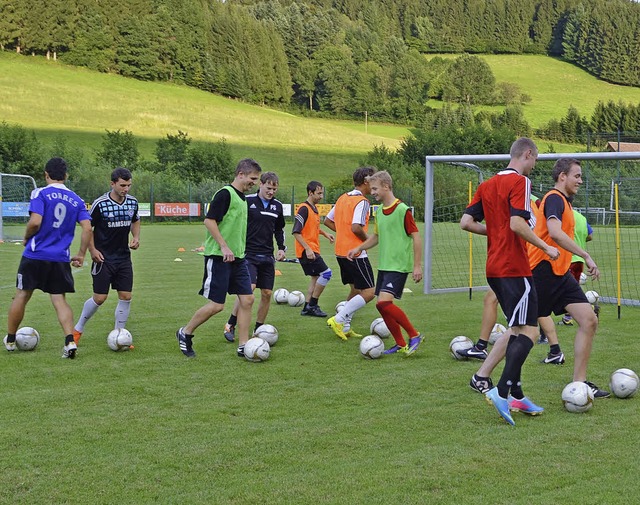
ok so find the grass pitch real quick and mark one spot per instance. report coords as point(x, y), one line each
point(314, 424)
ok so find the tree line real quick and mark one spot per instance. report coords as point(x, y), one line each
point(335, 57)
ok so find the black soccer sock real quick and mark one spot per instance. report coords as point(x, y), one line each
point(481, 345)
point(257, 326)
point(232, 320)
point(313, 302)
point(11, 337)
point(517, 352)
point(68, 339)
point(554, 349)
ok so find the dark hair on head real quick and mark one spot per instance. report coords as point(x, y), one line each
point(120, 173)
point(563, 166)
point(248, 166)
point(313, 186)
point(56, 168)
point(361, 174)
point(269, 177)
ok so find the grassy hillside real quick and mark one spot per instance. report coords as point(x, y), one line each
point(554, 85)
point(52, 98)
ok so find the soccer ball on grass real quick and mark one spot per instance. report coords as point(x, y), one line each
point(577, 397)
point(379, 327)
point(119, 340)
point(498, 329)
point(624, 383)
point(371, 347)
point(281, 296)
point(296, 298)
point(267, 332)
point(459, 343)
point(27, 339)
point(257, 349)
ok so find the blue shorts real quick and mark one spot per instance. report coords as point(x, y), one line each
point(391, 282)
point(221, 278)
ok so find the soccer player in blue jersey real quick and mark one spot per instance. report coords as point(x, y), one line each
point(114, 216)
point(54, 211)
point(265, 222)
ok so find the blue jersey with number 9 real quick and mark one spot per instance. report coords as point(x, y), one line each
point(60, 209)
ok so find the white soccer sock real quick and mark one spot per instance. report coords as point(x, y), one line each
point(88, 310)
point(122, 313)
point(353, 305)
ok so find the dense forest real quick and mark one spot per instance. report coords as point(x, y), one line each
point(336, 57)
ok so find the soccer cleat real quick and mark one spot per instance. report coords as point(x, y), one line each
point(473, 352)
point(596, 309)
point(69, 350)
point(543, 339)
point(76, 336)
point(353, 334)
point(240, 351)
point(315, 311)
point(338, 328)
point(481, 384)
point(396, 348)
point(565, 322)
point(500, 404)
point(229, 332)
point(11, 346)
point(414, 343)
point(597, 392)
point(554, 359)
point(305, 311)
point(525, 406)
point(185, 343)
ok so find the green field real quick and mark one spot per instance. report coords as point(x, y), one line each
point(554, 85)
point(316, 424)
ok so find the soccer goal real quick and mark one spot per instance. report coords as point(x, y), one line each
point(454, 260)
point(15, 194)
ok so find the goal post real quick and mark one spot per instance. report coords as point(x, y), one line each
point(15, 195)
point(453, 263)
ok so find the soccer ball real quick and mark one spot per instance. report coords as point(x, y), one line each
point(296, 298)
point(459, 343)
point(497, 330)
point(371, 347)
point(281, 296)
point(577, 397)
point(119, 340)
point(379, 327)
point(340, 305)
point(257, 349)
point(624, 383)
point(268, 333)
point(583, 278)
point(27, 339)
point(592, 296)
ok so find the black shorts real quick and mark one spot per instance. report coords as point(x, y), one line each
point(53, 277)
point(262, 271)
point(555, 292)
point(518, 299)
point(119, 276)
point(357, 272)
point(313, 268)
point(391, 282)
point(221, 278)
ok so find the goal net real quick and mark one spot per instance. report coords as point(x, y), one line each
point(609, 198)
point(15, 194)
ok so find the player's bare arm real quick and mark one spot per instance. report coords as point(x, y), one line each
point(520, 227)
point(329, 223)
point(563, 240)
point(307, 250)
point(33, 225)
point(85, 239)
point(467, 223)
point(135, 235)
point(417, 255)
point(371, 241)
point(328, 236)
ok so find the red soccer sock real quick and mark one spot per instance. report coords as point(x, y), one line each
point(387, 313)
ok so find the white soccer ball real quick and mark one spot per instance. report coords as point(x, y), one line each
point(624, 383)
point(577, 397)
point(119, 340)
point(340, 305)
point(592, 296)
point(379, 327)
point(257, 349)
point(267, 332)
point(27, 339)
point(295, 298)
point(371, 347)
point(583, 278)
point(281, 296)
point(498, 329)
point(459, 343)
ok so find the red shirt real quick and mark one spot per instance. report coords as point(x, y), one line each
point(506, 194)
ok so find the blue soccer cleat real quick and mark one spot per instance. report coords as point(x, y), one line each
point(500, 404)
